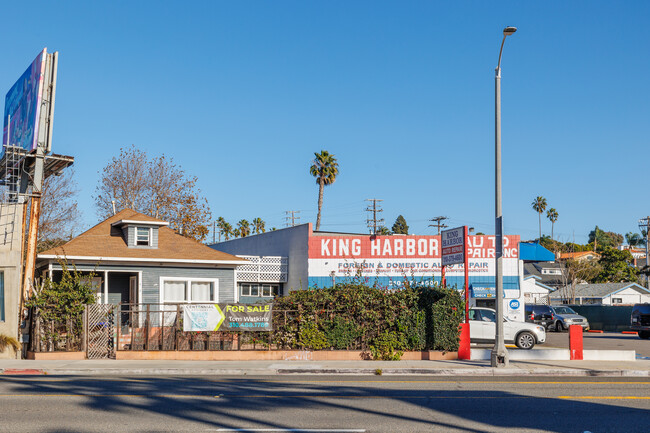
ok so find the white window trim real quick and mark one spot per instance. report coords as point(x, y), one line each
point(188, 286)
point(149, 236)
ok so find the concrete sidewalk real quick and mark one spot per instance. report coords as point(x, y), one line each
point(637, 368)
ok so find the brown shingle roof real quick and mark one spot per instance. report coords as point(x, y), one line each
point(104, 241)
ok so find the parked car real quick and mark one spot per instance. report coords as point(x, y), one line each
point(564, 316)
point(539, 314)
point(640, 320)
point(482, 329)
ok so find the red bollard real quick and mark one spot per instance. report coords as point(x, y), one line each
point(575, 342)
point(464, 351)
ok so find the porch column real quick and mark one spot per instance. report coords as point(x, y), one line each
point(105, 287)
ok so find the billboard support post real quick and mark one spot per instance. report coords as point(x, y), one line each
point(466, 267)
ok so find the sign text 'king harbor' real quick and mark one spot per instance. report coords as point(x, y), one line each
point(360, 247)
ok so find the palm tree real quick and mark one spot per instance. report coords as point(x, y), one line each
point(259, 226)
point(633, 240)
point(243, 228)
point(227, 230)
point(552, 215)
point(324, 168)
point(539, 206)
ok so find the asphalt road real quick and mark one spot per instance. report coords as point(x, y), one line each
point(604, 341)
point(324, 404)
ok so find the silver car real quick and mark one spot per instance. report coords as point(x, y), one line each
point(482, 329)
point(564, 316)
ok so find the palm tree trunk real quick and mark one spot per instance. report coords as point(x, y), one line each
point(552, 224)
point(540, 226)
point(321, 187)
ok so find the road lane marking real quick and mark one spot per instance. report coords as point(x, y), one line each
point(292, 430)
point(603, 397)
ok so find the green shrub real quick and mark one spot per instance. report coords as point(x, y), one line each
point(357, 316)
point(340, 332)
point(387, 347)
point(310, 337)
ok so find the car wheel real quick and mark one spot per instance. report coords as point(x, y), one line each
point(558, 326)
point(644, 335)
point(525, 340)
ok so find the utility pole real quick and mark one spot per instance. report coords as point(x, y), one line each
point(644, 224)
point(438, 220)
point(374, 223)
point(291, 216)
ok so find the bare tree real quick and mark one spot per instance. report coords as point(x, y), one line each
point(60, 217)
point(156, 187)
point(575, 272)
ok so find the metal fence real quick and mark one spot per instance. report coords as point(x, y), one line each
point(160, 327)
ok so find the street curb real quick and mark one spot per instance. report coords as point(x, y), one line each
point(485, 372)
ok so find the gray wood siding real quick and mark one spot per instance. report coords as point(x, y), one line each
point(151, 278)
point(131, 231)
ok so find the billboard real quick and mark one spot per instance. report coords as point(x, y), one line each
point(389, 260)
point(29, 105)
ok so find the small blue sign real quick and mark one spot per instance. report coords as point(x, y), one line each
point(514, 304)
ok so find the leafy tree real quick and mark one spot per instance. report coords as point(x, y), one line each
point(60, 217)
point(156, 187)
point(552, 215)
point(324, 168)
point(243, 228)
point(617, 266)
point(259, 226)
point(602, 239)
point(539, 206)
point(400, 227)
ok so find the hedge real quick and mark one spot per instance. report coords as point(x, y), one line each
point(383, 321)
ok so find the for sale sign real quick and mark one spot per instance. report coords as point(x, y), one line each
point(228, 317)
point(453, 246)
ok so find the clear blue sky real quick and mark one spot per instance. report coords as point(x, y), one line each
point(241, 94)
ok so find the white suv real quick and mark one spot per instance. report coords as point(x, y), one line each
point(482, 329)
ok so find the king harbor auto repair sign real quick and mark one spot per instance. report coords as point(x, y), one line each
point(228, 317)
point(387, 260)
point(453, 246)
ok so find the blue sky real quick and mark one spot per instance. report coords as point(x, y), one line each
point(241, 94)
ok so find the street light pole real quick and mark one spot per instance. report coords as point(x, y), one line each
point(644, 224)
point(499, 355)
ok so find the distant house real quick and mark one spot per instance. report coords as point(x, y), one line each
point(580, 256)
point(139, 259)
point(548, 273)
point(535, 292)
point(603, 294)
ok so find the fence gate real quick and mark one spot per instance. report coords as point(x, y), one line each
point(100, 331)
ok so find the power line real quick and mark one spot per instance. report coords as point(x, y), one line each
point(374, 223)
point(291, 216)
point(438, 221)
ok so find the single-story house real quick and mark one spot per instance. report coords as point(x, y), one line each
point(137, 259)
point(535, 292)
point(603, 294)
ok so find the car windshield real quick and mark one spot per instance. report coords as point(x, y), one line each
point(564, 310)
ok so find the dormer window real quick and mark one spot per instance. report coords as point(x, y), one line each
point(143, 236)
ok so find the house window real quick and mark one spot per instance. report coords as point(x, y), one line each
point(617, 300)
point(189, 290)
point(2, 296)
point(142, 236)
point(259, 290)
